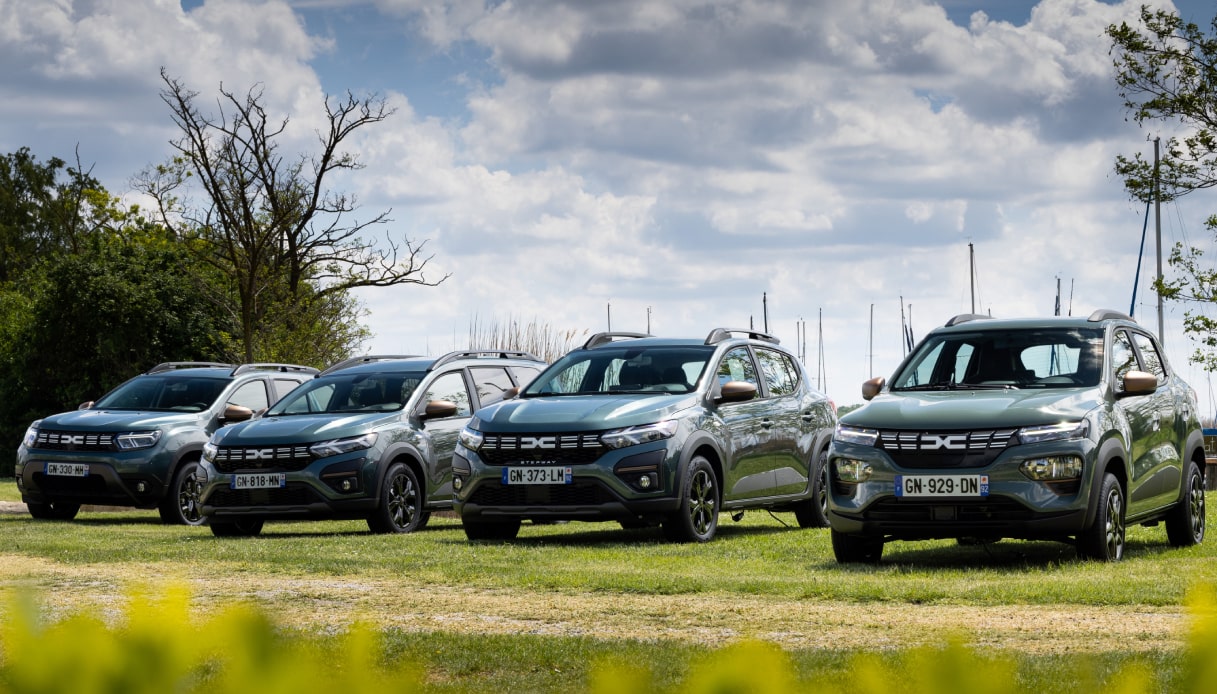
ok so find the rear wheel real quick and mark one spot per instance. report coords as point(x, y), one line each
point(697, 518)
point(401, 505)
point(855, 549)
point(491, 530)
point(813, 513)
point(1185, 523)
point(181, 505)
point(53, 510)
point(1104, 539)
point(244, 527)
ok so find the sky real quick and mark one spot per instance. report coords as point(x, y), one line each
point(813, 167)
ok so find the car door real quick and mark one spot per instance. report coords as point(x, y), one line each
point(441, 433)
point(747, 467)
point(788, 451)
point(1144, 424)
point(1166, 465)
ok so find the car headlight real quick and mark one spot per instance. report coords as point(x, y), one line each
point(135, 440)
point(850, 470)
point(1054, 432)
point(209, 451)
point(326, 449)
point(470, 438)
point(632, 436)
point(1053, 468)
point(31, 435)
point(847, 434)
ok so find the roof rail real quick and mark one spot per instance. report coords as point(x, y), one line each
point(1108, 314)
point(366, 359)
point(717, 335)
point(482, 354)
point(605, 338)
point(171, 365)
point(267, 366)
point(965, 317)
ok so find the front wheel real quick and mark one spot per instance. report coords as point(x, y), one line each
point(53, 510)
point(244, 527)
point(400, 509)
point(813, 513)
point(855, 549)
point(697, 518)
point(1104, 539)
point(491, 530)
point(1185, 523)
point(181, 505)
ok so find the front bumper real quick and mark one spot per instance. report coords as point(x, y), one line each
point(312, 492)
point(135, 478)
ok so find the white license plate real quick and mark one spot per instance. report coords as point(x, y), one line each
point(536, 475)
point(265, 480)
point(67, 469)
point(942, 485)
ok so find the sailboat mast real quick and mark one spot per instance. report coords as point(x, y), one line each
point(1158, 237)
point(972, 274)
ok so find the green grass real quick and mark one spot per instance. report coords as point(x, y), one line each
point(757, 557)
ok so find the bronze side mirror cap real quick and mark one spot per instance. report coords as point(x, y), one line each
point(438, 409)
point(736, 391)
point(236, 413)
point(872, 387)
point(1139, 383)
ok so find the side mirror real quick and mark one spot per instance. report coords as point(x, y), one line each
point(872, 387)
point(1139, 383)
point(235, 413)
point(438, 409)
point(85, 405)
point(511, 392)
point(736, 391)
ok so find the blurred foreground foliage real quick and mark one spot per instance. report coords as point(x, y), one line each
point(158, 647)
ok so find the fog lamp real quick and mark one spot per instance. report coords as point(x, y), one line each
point(850, 470)
point(141, 487)
point(457, 483)
point(346, 485)
point(644, 482)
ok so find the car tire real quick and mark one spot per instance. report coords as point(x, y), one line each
point(1185, 523)
point(400, 507)
point(491, 530)
point(855, 549)
point(181, 505)
point(696, 519)
point(813, 513)
point(53, 510)
point(1104, 539)
point(245, 527)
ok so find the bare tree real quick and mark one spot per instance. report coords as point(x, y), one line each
point(270, 222)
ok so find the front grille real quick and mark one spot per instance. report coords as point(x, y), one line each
point(563, 449)
point(74, 441)
point(944, 449)
point(279, 458)
point(291, 495)
point(580, 493)
point(980, 512)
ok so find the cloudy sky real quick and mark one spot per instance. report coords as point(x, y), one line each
point(571, 162)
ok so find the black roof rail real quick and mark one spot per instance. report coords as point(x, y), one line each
point(268, 366)
point(1109, 314)
point(717, 335)
point(965, 317)
point(483, 354)
point(605, 338)
point(171, 365)
point(366, 359)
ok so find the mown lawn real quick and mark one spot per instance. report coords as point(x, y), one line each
point(512, 615)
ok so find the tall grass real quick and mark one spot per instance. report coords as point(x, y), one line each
point(535, 337)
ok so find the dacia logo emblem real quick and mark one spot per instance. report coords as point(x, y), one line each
point(527, 442)
point(259, 454)
point(951, 442)
point(77, 440)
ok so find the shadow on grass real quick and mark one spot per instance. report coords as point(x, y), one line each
point(611, 534)
point(930, 555)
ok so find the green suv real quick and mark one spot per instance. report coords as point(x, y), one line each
point(1051, 429)
point(371, 437)
point(139, 444)
point(649, 431)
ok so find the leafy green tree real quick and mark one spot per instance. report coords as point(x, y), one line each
point(1166, 71)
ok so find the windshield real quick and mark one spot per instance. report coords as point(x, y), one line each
point(360, 392)
point(624, 369)
point(1038, 358)
point(164, 393)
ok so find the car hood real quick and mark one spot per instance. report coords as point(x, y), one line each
point(974, 409)
point(293, 429)
point(580, 412)
point(117, 420)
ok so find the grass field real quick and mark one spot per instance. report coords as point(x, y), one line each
point(536, 613)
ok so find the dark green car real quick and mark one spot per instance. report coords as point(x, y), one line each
point(369, 438)
point(1053, 428)
point(649, 431)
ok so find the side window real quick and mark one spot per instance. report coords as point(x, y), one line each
point(283, 386)
point(1149, 355)
point(490, 382)
point(451, 387)
point(1123, 358)
point(524, 374)
point(776, 371)
point(251, 395)
point(315, 400)
point(737, 366)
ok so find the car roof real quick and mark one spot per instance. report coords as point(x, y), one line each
point(193, 369)
point(396, 363)
point(972, 323)
point(716, 337)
